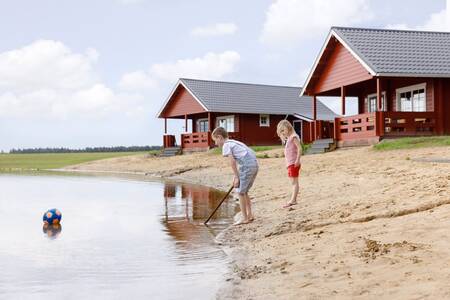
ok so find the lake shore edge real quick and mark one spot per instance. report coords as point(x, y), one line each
point(365, 225)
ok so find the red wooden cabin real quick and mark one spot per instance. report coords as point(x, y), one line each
point(250, 112)
point(400, 78)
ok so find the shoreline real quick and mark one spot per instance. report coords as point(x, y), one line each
point(368, 223)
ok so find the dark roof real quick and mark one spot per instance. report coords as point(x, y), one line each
point(401, 52)
point(234, 97)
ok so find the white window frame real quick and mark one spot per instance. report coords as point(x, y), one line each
point(383, 101)
point(268, 120)
point(411, 89)
point(198, 124)
point(224, 118)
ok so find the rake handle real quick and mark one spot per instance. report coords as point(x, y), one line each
point(223, 199)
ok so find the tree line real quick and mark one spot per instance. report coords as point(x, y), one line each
point(86, 150)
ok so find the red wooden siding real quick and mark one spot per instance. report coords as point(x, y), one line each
point(341, 69)
point(445, 114)
point(181, 103)
point(252, 134)
point(390, 86)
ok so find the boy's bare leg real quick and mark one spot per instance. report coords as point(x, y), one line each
point(249, 208)
point(243, 206)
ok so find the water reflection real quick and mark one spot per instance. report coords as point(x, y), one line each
point(194, 203)
point(122, 239)
point(52, 231)
point(187, 207)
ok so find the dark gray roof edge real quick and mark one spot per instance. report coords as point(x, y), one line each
point(388, 29)
point(243, 83)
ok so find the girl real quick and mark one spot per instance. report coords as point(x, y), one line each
point(292, 153)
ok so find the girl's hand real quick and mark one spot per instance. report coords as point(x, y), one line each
point(236, 182)
point(297, 163)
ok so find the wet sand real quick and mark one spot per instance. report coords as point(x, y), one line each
point(368, 224)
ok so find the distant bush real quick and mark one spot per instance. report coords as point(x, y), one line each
point(87, 150)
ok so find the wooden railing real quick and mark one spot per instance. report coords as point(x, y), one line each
point(409, 123)
point(168, 141)
point(196, 140)
point(355, 127)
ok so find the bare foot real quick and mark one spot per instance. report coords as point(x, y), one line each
point(251, 219)
point(241, 222)
point(289, 204)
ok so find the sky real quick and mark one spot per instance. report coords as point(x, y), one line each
point(91, 73)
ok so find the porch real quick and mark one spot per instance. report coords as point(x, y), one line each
point(199, 139)
point(387, 108)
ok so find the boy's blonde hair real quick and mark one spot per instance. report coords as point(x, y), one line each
point(219, 131)
point(284, 124)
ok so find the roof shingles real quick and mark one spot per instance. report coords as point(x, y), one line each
point(423, 53)
point(234, 97)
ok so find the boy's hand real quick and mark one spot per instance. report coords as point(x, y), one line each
point(236, 182)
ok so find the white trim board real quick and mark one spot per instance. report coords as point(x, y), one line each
point(173, 92)
point(335, 35)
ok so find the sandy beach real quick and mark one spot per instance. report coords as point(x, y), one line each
point(369, 224)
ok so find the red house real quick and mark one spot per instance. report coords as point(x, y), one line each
point(250, 112)
point(400, 78)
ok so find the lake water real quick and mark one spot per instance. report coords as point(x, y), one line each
point(119, 239)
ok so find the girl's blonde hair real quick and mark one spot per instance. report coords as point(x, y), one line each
point(284, 124)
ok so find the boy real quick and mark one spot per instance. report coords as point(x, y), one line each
point(239, 154)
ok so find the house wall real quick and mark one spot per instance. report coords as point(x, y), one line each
point(181, 103)
point(390, 86)
point(444, 85)
point(341, 69)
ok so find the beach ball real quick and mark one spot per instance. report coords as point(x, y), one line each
point(52, 216)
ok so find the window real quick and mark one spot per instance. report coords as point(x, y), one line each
point(412, 98)
point(226, 122)
point(264, 121)
point(371, 102)
point(202, 125)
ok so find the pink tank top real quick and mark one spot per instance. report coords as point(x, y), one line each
point(290, 150)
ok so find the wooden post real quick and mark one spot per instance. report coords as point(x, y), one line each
point(336, 128)
point(185, 124)
point(439, 105)
point(314, 137)
point(165, 125)
point(379, 116)
point(209, 122)
point(343, 99)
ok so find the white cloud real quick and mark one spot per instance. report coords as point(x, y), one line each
point(439, 21)
point(211, 66)
point(138, 80)
point(46, 79)
point(290, 21)
point(217, 29)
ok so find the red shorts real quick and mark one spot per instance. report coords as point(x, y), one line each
point(293, 171)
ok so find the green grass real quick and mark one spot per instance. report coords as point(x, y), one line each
point(44, 161)
point(412, 143)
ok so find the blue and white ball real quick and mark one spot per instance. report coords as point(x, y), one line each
point(52, 216)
